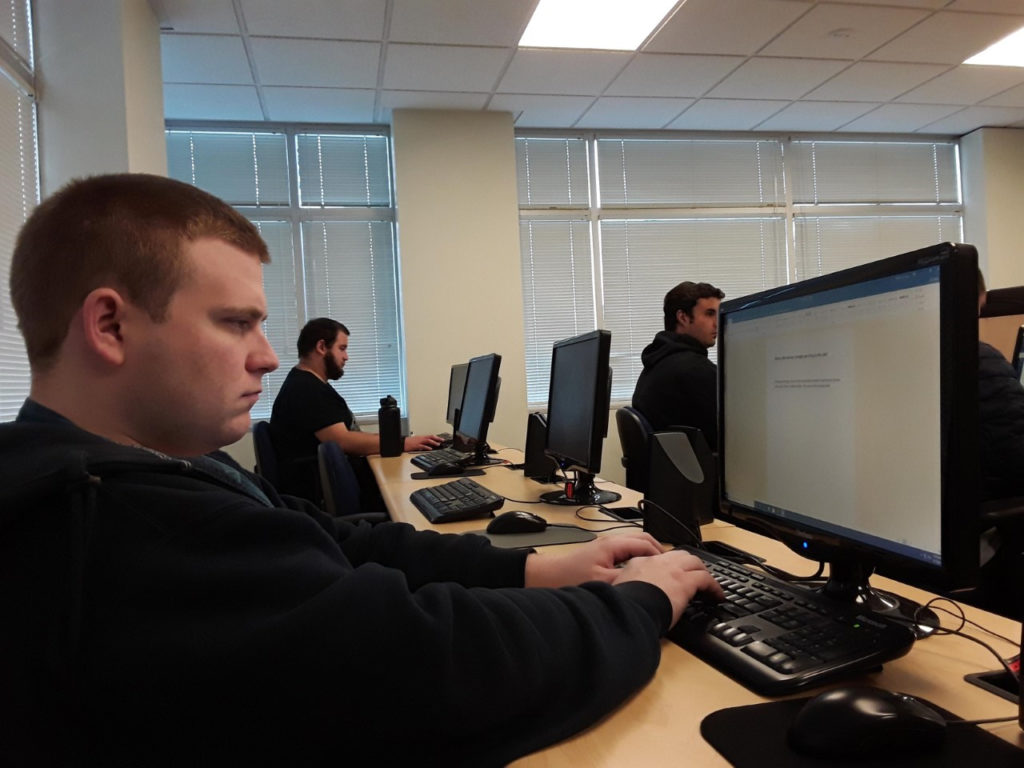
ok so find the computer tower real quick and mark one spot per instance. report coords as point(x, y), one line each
point(537, 465)
point(682, 486)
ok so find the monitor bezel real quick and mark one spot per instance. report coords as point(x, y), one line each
point(958, 431)
point(493, 360)
point(591, 463)
point(456, 390)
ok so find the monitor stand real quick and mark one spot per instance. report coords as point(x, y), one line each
point(580, 492)
point(848, 583)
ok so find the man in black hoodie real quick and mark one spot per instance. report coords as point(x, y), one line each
point(164, 607)
point(678, 385)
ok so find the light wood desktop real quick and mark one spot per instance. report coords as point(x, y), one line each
point(660, 725)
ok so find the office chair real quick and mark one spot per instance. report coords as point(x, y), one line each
point(266, 456)
point(634, 435)
point(341, 487)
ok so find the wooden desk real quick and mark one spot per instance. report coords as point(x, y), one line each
point(660, 725)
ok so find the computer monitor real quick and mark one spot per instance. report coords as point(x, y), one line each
point(1018, 354)
point(479, 401)
point(456, 386)
point(848, 420)
point(578, 403)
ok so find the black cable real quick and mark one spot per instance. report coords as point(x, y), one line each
point(626, 523)
point(920, 618)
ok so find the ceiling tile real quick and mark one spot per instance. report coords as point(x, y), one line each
point(947, 38)
point(629, 112)
point(568, 72)
point(533, 111)
point(319, 105)
point(325, 19)
point(442, 67)
point(726, 114)
point(968, 119)
point(927, 4)
point(966, 84)
point(899, 118)
point(467, 22)
point(986, 6)
point(725, 26)
point(666, 74)
point(875, 81)
point(815, 116)
point(842, 31)
point(211, 102)
point(776, 78)
point(326, 63)
point(390, 100)
point(204, 59)
point(1011, 98)
point(207, 16)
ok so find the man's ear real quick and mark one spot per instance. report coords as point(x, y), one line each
point(321, 347)
point(103, 312)
point(682, 318)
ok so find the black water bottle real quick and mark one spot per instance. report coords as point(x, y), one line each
point(389, 425)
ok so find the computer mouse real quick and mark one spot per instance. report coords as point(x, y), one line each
point(517, 521)
point(445, 468)
point(865, 722)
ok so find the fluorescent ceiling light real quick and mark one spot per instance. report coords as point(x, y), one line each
point(615, 25)
point(1008, 52)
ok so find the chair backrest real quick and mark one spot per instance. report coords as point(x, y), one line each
point(338, 481)
point(634, 436)
point(266, 457)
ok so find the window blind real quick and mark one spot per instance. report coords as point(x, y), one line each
point(663, 209)
point(323, 203)
point(19, 193)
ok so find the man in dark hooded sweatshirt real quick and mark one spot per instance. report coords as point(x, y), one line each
point(678, 385)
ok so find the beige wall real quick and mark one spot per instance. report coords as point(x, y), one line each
point(458, 246)
point(992, 162)
point(101, 90)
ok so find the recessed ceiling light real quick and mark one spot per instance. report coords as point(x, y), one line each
point(614, 25)
point(1008, 52)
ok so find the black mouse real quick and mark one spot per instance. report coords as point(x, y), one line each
point(517, 521)
point(445, 468)
point(866, 722)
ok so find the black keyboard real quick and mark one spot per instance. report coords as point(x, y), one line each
point(458, 500)
point(774, 637)
point(430, 459)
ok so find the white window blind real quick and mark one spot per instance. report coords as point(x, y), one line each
point(19, 192)
point(343, 170)
point(659, 209)
point(351, 276)
point(323, 203)
point(240, 168)
point(674, 172)
point(643, 259)
point(558, 276)
point(16, 29)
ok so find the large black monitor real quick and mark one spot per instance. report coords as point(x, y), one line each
point(479, 401)
point(456, 387)
point(578, 403)
point(848, 420)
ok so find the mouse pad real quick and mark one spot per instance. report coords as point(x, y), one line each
point(463, 473)
point(764, 727)
point(550, 535)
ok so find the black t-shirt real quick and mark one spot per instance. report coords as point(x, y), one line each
point(304, 406)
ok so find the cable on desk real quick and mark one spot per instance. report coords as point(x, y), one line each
point(921, 618)
point(625, 523)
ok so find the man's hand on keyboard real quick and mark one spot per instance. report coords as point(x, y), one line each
point(678, 574)
point(421, 443)
point(594, 561)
